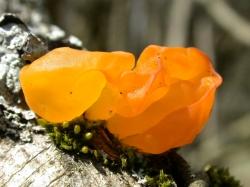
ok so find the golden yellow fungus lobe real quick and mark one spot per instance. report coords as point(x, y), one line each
point(64, 83)
point(161, 103)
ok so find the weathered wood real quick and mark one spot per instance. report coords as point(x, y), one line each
point(40, 163)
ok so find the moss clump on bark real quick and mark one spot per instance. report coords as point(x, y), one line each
point(220, 177)
point(87, 139)
point(91, 140)
point(160, 180)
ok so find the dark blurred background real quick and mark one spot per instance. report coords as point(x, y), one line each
point(221, 28)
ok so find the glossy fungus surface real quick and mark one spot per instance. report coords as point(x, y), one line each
point(160, 103)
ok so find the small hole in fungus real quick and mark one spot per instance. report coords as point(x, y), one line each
point(121, 93)
point(70, 93)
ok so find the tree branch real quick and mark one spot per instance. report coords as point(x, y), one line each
point(228, 19)
point(178, 22)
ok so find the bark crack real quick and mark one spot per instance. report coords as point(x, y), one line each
point(56, 179)
point(20, 169)
point(37, 169)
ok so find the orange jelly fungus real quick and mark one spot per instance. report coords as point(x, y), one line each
point(160, 103)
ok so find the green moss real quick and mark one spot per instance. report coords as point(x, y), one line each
point(75, 145)
point(66, 147)
point(160, 180)
point(96, 154)
point(220, 177)
point(65, 124)
point(57, 135)
point(124, 162)
point(81, 137)
point(77, 129)
point(88, 135)
point(85, 149)
point(42, 122)
point(105, 161)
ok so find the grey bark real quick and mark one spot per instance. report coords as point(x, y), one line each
point(40, 163)
point(28, 157)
